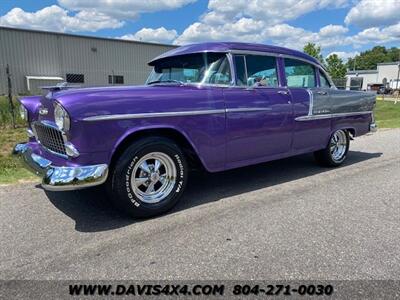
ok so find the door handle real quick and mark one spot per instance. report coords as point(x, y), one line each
point(322, 93)
point(283, 93)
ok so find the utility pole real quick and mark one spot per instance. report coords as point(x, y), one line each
point(397, 82)
point(10, 100)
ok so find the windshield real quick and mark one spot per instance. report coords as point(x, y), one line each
point(210, 68)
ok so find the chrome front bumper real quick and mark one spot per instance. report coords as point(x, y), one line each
point(61, 178)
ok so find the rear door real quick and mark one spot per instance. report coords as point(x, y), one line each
point(308, 98)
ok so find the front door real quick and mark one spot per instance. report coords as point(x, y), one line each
point(259, 117)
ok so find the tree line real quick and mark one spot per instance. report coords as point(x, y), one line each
point(366, 60)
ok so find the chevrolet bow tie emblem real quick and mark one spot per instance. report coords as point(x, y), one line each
point(43, 111)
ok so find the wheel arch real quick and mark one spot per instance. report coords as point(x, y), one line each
point(181, 138)
point(350, 129)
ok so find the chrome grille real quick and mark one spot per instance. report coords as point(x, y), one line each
point(50, 138)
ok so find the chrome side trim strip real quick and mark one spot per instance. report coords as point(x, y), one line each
point(249, 109)
point(155, 115)
point(311, 107)
point(174, 113)
point(329, 116)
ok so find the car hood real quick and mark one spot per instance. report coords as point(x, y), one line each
point(89, 102)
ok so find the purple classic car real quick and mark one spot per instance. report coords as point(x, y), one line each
point(214, 105)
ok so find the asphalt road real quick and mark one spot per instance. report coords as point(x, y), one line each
point(288, 219)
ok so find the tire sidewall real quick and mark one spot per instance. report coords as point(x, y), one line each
point(123, 175)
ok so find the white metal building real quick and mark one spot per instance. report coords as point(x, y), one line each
point(385, 73)
point(40, 58)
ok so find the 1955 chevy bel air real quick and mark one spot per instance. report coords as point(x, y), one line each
point(215, 105)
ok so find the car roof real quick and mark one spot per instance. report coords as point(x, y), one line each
point(232, 46)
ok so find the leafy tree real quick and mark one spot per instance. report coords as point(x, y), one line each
point(335, 66)
point(314, 51)
point(369, 59)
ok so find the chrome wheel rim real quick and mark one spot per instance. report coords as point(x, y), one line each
point(153, 177)
point(338, 145)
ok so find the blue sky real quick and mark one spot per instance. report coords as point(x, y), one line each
point(345, 27)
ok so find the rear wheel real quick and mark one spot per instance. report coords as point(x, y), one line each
point(336, 151)
point(149, 177)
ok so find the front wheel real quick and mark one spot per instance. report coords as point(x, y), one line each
point(149, 177)
point(336, 151)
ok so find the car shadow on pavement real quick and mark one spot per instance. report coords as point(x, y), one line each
point(92, 212)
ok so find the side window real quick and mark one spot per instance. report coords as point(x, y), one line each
point(324, 82)
point(219, 71)
point(240, 64)
point(299, 73)
point(256, 70)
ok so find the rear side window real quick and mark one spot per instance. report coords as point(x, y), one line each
point(256, 70)
point(299, 73)
point(323, 80)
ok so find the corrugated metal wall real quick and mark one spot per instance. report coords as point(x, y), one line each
point(50, 54)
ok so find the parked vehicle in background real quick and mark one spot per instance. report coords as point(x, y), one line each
point(217, 106)
point(383, 90)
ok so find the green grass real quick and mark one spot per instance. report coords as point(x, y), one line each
point(5, 114)
point(387, 114)
point(11, 169)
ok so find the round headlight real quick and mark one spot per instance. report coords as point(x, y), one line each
point(23, 112)
point(61, 117)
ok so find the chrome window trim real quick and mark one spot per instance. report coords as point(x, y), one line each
point(280, 55)
point(233, 83)
point(330, 116)
point(254, 52)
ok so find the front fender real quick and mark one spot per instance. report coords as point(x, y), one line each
point(161, 129)
point(32, 104)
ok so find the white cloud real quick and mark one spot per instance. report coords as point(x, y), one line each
point(377, 35)
point(244, 29)
point(250, 30)
point(124, 9)
point(372, 13)
point(344, 55)
point(55, 18)
point(88, 15)
point(158, 35)
point(332, 30)
point(271, 11)
point(262, 21)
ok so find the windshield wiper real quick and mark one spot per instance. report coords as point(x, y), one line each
point(168, 80)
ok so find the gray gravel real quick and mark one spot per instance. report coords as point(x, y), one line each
point(288, 219)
